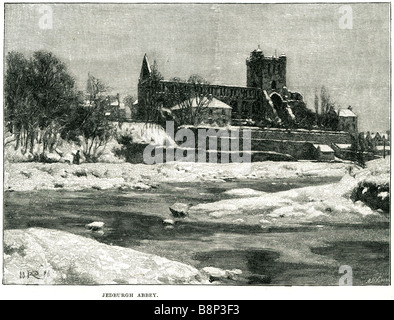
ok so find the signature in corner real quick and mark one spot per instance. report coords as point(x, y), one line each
point(378, 280)
point(33, 274)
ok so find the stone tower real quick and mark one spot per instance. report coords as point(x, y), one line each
point(267, 73)
point(146, 70)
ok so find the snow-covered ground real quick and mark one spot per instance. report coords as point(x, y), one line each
point(48, 251)
point(37, 176)
point(44, 256)
point(326, 203)
point(63, 150)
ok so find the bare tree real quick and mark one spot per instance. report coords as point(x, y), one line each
point(317, 107)
point(38, 95)
point(129, 101)
point(325, 100)
point(192, 100)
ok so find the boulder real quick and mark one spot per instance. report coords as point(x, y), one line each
point(233, 274)
point(95, 226)
point(168, 222)
point(26, 174)
point(180, 210)
point(52, 157)
point(81, 172)
point(68, 158)
point(215, 273)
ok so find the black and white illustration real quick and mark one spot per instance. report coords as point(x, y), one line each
point(214, 144)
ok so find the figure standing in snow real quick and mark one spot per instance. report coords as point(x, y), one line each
point(77, 157)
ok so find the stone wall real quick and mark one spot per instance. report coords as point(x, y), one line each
point(316, 136)
point(266, 144)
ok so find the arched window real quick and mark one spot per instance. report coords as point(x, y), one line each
point(273, 85)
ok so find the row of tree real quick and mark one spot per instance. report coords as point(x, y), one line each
point(42, 104)
point(326, 118)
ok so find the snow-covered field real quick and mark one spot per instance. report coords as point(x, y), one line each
point(37, 176)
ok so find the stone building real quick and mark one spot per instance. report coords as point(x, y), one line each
point(267, 73)
point(215, 113)
point(347, 120)
point(265, 101)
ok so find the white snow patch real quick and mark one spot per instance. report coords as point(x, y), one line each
point(243, 192)
point(88, 261)
point(383, 195)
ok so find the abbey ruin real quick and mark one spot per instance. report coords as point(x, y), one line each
point(279, 119)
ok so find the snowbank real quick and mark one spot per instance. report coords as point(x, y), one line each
point(37, 176)
point(44, 256)
point(327, 203)
point(373, 185)
point(63, 150)
point(145, 133)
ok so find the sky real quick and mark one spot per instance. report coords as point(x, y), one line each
point(350, 57)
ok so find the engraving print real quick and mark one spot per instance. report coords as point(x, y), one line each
point(215, 144)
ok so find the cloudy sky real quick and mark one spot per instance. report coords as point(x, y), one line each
point(213, 40)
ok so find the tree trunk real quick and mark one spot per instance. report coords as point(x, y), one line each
point(32, 136)
point(18, 138)
point(26, 138)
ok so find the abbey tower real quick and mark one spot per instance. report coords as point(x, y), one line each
point(267, 73)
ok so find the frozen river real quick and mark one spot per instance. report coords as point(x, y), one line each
point(288, 253)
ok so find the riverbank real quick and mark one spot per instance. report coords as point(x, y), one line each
point(29, 176)
point(43, 256)
point(334, 203)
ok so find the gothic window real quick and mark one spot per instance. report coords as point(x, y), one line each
point(273, 85)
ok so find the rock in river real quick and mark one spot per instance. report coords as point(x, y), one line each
point(168, 222)
point(180, 210)
point(95, 226)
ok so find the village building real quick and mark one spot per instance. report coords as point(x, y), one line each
point(324, 152)
point(347, 120)
point(214, 113)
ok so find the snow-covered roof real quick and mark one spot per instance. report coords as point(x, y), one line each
point(378, 135)
point(323, 147)
point(343, 145)
point(346, 113)
point(383, 148)
point(214, 104)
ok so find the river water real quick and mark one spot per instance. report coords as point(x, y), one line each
point(308, 254)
